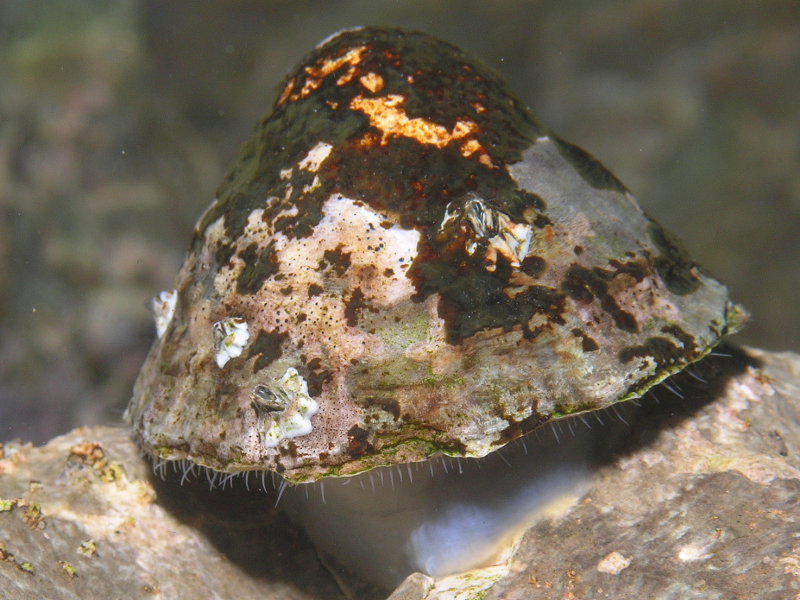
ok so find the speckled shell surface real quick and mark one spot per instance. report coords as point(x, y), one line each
point(401, 262)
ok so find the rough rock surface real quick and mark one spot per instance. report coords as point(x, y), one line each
point(702, 502)
point(83, 517)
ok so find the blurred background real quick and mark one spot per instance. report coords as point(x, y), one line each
point(118, 120)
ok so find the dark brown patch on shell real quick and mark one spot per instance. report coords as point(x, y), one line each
point(585, 285)
point(353, 306)
point(533, 266)
point(358, 441)
point(674, 265)
point(316, 376)
point(259, 264)
point(662, 350)
point(267, 347)
point(587, 343)
point(337, 260)
point(589, 167)
point(688, 341)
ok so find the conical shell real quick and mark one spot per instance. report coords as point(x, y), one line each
point(402, 262)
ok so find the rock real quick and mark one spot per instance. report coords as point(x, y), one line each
point(700, 502)
point(84, 518)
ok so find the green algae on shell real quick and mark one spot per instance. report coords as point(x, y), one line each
point(403, 262)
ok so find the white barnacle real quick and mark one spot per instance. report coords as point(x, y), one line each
point(230, 338)
point(163, 307)
point(452, 212)
point(288, 408)
point(481, 217)
point(513, 240)
point(501, 235)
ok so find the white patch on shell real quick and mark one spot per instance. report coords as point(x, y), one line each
point(285, 213)
point(290, 391)
point(163, 307)
point(312, 186)
point(230, 338)
point(377, 257)
point(357, 228)
point(315, 157)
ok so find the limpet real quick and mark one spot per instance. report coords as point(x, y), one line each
point(403, 262)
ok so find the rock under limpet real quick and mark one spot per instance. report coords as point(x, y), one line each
point(428, 265)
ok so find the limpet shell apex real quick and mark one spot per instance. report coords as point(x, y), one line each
point(402, 262)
